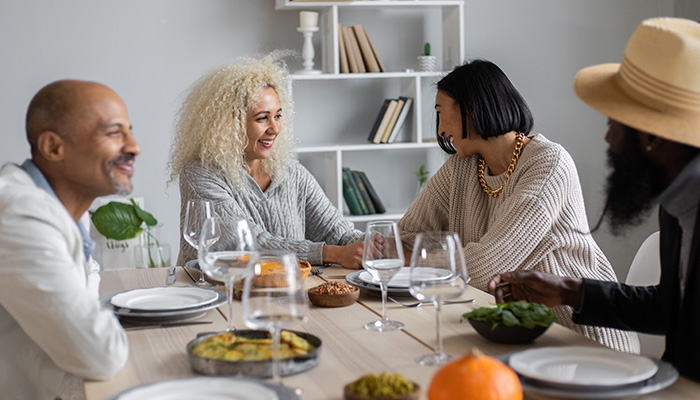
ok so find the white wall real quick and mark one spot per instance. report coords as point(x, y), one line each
point(151, 51)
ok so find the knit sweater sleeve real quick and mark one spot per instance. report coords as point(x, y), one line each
point(430, 211)
point(324, 222)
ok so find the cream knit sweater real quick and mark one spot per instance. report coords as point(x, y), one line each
point(538, 222)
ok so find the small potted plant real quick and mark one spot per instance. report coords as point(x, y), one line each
point(422, 175)
point(122, 221)
point(427, 62)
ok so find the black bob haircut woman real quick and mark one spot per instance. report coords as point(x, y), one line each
point(488, 102)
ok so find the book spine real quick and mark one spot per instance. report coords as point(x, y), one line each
point(392, 121)
point(365, 49)
point(385, 121)
point(378, 205)
point(353, 184)
point(376, 57)
point(378, 120)
point(364, 193)
point(342, 56)
point(355, 47)
point(408, 102)
point(352, 62)
point(350, 196)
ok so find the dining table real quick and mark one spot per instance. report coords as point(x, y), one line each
point(348, 351)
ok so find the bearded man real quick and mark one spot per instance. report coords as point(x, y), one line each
point(652, 100)
point(51, 320)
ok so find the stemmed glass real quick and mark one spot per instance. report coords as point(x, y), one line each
point(437, 274)
point(227, 258)
point(196, 213)
point(383, 257)
point(273, 304)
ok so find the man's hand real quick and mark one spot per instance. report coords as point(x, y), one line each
point(537, 287)
point(349, 256)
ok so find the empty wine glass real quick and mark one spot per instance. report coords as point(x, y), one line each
point(274, 302)
point(383, 257)
point(228, 257)
point(437, 274)
point(196, 212)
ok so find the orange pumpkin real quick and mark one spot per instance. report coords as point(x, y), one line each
point(475, 376)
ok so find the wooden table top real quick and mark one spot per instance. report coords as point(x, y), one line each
point(348, 351)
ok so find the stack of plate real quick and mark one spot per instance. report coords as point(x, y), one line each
point(161, 304)
point(399, 283)
point(588, 373)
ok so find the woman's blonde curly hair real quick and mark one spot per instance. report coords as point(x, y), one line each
point(211, 125)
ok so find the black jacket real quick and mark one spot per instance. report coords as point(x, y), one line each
point(655, 309)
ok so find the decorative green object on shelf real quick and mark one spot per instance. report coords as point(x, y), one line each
point(426, 49)
point(422, 175)
point(122, 221)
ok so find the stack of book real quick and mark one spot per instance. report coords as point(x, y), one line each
point(359, 194)
point(357, 54)
point(390, 120)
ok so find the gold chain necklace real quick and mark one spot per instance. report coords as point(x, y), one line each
point(509, 172)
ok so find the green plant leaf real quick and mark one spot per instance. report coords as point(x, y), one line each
point(117, 221)
point(147, 217)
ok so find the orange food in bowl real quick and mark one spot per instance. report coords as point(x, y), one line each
point(271, 273)
point(475, 376)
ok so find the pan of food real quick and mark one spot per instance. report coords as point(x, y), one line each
point(249, 353)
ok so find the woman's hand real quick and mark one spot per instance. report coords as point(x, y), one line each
point(537, 287)
point(349, 256)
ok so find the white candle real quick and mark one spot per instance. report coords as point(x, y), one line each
point(308, 19)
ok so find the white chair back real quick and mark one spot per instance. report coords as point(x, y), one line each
point(646, 271)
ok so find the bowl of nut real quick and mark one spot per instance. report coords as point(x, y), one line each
point(333, 294)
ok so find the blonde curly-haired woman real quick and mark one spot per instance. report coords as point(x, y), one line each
point(233, 147)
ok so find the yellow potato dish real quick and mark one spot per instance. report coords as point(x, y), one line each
point(229, 347)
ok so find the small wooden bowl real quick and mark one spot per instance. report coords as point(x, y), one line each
point(352, 396)
point(334, 300)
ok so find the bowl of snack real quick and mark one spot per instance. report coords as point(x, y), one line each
point(384, 386)
point(515, 322)
point(249, 353)
point(333, 294)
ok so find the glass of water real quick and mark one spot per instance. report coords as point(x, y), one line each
point(226, 249)
point(437, 273)
point(383, 257)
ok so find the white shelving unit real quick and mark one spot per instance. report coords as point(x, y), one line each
point(326, 157)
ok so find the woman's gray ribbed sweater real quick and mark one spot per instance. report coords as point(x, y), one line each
point(292, 214)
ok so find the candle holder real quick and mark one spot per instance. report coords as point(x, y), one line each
point(307, 51)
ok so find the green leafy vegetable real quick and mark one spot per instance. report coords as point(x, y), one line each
point(514, 313)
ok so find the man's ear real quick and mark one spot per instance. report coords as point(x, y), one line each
point(51, 146)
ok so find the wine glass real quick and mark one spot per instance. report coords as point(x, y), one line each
point(196, 212)
point(437, 274)
point(273, 303)
point(383, 257)
point(226, 249)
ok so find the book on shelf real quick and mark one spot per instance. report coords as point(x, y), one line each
point(374, 52)
point(365, 49)
point(350, 196)
point(385, 121)
point(408, 102)
point(378, 205)
point(392, 120)
point(363, 192)
point(347, 41)
point(378, 120)
point(343, 56)
point(353, 49)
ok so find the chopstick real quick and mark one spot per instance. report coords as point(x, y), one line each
point(164, 325)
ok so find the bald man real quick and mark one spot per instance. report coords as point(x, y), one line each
point(51, 321)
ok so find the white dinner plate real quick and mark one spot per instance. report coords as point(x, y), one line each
point(209, 388)
point(571, 366)
point(164, 298)
point(402, 278)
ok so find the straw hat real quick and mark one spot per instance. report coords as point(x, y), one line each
point(656, 88)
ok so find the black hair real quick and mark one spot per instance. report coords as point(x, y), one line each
point(488, 102)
